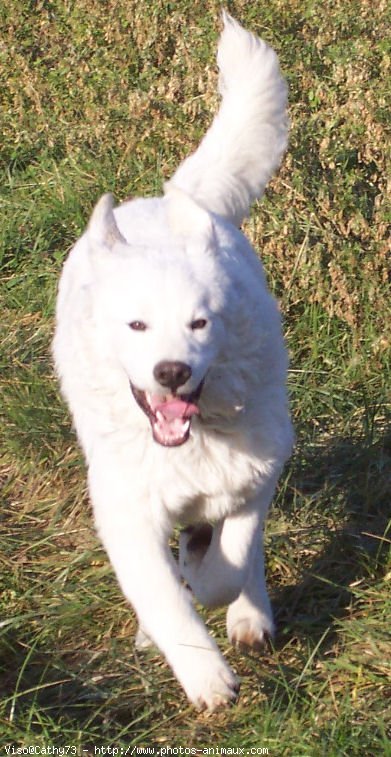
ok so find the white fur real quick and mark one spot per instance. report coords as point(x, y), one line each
point(244, 146)
point(166, 262)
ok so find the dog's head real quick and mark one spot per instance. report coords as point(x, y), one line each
point(160, 306)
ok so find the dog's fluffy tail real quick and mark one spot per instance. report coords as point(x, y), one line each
point(246, 141)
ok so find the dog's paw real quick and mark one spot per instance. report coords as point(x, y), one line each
point(211, 685)
point(249, 626)
point(252, 632)
point(142, 640)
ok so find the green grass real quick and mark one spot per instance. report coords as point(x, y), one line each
point(109, 96)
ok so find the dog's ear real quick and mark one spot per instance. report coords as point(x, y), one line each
point(187, 219)
point(102, 228)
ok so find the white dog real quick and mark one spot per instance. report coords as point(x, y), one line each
point(170, 354)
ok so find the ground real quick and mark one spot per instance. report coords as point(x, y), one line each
point(110, 96)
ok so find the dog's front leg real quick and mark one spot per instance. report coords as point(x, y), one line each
point(233, 559)
point(249, 617)
point(218, 573)
point(148, 575)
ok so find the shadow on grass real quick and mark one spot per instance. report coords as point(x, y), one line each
point(348, 482)
point(57, 692)
point(343, 488)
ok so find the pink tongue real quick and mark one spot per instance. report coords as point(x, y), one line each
point(176, 408)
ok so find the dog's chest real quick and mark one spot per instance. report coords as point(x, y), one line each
point(213, 477)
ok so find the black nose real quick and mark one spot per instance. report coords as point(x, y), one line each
point(171, 373)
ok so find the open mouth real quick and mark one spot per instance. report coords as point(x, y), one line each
point(169, 415)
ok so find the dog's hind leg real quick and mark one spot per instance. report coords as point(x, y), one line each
point(194, 542)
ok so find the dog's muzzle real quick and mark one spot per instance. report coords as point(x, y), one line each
point(170, 415)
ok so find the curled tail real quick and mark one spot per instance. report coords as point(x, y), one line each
point(247, 139)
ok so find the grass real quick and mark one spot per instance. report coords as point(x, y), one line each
point(100, 96)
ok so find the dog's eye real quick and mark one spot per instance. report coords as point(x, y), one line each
point(137, 326)
point(199, 323)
